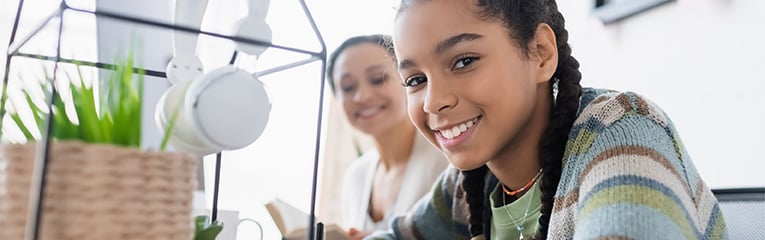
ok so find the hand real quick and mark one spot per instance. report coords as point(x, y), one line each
point(357, 234)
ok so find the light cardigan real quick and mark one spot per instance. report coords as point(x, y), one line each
point(626, 175)
point(425, 164)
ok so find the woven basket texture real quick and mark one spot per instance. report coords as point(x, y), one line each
point(97, 191)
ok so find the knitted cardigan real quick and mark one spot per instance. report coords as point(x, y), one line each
point(625, 175)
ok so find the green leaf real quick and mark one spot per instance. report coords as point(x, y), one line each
point(97, 129)
point(3, 99)
point(107, 89)
point(89, 113)
point(170, 127)
point(205, 231)
point(20, 124)
point(37, 113)
point(209, 233)
point(63, 128)
point(78, 109)
point(138, 110)
point(107, 124)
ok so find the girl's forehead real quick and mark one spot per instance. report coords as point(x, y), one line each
point(424, 25)
point(466, 8)
point(431, 17)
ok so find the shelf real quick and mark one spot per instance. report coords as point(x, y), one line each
point(59, 16)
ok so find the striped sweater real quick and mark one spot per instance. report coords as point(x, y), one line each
point(625, 175)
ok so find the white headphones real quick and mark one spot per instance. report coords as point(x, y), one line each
point(224, 109)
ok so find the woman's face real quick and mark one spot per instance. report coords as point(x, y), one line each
point(471, 90)
point(370, 89)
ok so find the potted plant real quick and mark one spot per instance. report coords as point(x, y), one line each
point(100, 183)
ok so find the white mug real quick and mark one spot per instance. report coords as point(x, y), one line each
point(231, 223)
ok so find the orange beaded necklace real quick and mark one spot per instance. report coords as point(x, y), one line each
point(514, 192)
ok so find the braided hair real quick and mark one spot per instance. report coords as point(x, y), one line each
point(382, 40)
point(521, 18)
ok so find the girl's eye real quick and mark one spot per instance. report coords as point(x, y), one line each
point(414, 81)
point(464, 62)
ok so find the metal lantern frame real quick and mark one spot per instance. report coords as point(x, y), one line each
point(42, 156)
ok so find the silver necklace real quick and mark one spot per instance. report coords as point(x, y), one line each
point(519, 225)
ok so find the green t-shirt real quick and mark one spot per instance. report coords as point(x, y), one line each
point(506, 219)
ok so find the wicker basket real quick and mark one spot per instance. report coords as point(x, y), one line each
point(99, 192)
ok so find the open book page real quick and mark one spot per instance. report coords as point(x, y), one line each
point(331, 232)
point(292, 222)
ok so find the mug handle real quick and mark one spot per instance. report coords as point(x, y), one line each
point(260, 227)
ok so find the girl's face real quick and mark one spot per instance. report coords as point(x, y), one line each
point(471, 90)
point(370, 89)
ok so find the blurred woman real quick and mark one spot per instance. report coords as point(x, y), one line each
point(387, 181)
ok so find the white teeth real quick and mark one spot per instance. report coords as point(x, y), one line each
point(456, 131)
point(447, 134)
point(368, 112)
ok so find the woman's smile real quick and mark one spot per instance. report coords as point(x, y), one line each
point(370, 112)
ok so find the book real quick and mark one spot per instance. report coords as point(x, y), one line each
point(293, 223)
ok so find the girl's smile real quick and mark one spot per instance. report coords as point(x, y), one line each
point(449, 137)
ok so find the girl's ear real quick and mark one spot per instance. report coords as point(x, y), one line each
point(544, 51)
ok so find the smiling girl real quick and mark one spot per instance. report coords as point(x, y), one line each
point(494, 86)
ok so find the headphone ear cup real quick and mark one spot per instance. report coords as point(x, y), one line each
point(253, 28)
point(170, 108)
point(227, 108)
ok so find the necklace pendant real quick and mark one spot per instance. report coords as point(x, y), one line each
point(520, 231)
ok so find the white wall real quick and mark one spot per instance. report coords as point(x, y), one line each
point(701, 61)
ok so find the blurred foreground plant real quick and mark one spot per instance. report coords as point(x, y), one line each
point(111, 115)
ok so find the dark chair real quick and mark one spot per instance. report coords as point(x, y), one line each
point(744, 211)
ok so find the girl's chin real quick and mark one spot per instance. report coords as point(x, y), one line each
point(465, 164)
